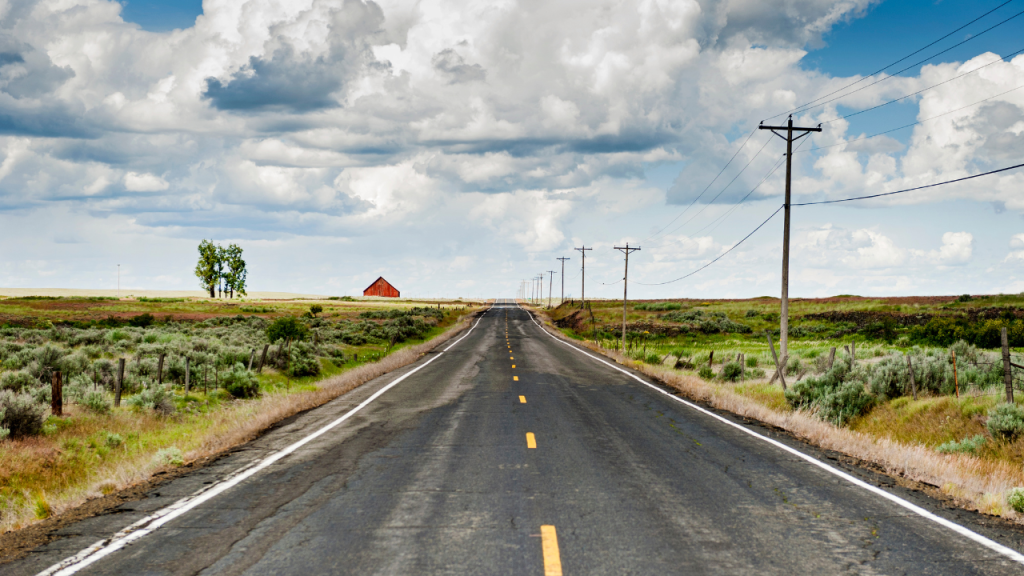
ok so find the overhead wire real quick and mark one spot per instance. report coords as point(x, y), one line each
point(948, 112)
point(813, 103)
point(921, 91)
point(911, 189)
point(706, 188)
point(720, 256)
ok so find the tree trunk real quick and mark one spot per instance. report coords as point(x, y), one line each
point(211, 291)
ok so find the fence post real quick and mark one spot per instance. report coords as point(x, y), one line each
point(910, 370)
point(853, 353)
point(831, 357)
point(187, 365)
point(252, 356)
point(160, 369)
point(1007, 375)
point(956, 381)
point(711, 358)
point(263, 358)
point(743, 365)
point(778, 368)
point(120, 381)
point(57, 395)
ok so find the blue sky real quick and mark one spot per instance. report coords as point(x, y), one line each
point(457, 147)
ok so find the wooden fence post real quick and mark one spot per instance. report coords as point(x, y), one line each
point(160, 369)
point(120, 381)
point(910, 370)
point(187, 366)
point(252, 356)
point(831, 357)
point(711, 358)
point(57, 395)
point(1007, 375)
point(263, 358)
point(778, 368)
point(743, 365)
point(956, 381)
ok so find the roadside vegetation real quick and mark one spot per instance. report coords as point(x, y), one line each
point(314, 351)
point(848, 370)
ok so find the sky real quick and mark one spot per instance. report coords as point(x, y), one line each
point(459, 147)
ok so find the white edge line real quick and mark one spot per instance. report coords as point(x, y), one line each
point(148, 524)
point(986, 542)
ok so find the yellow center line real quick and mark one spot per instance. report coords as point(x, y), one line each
point(516, 378)
point(511, 358)
point(522, 399)
point(513, 365)
point(549, 544)
point(531, 441)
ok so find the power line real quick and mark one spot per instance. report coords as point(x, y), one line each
point(1001, 59)
point(911, 189)
point(806, 105)
point(915, 123)
point(720, 256)
point(713, 180)
point(759, 150)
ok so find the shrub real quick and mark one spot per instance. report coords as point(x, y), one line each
point(23, 416)
point(96, 401)
point(240, 382)
point(752, 314)
point(17, 381)
point(169, 457)
point(1015, 498)
point(142, 320)
point(706, 372)
point(315, 309)
point(112, 440)
point(835, 396)
point(658, 306)
point(153, 398)
point(965, 446)
point(302, 360)
point(752, 362)
point(287, 328)
point(964, 298)
point(1005, 421)
point(732, 371)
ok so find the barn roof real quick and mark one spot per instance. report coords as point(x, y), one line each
point(379, 278)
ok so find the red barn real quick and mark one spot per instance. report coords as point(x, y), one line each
point(381, 287)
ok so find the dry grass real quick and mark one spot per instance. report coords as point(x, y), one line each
point(978, 483)
point(49, 475)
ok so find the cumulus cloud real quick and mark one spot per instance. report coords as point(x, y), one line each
point(334, 120)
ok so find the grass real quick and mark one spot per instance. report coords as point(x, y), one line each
point(82, 454)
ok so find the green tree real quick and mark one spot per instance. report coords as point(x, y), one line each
point(208, 268)
point(235, 273)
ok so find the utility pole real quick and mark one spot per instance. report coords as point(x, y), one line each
point(563, 280)
point(784, 316)
point(583, 280)
point(551, 277)
point(625, 250)
point(540, 287)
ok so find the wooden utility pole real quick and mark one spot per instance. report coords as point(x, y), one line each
point(625, 278)
point(551, 279)
point(57, 395)
point(583, 280)
point(563, 280)
point(1007, 375)
point(784, 316)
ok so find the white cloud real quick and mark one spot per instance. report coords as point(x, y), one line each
point(135, 182)
point(956, 249)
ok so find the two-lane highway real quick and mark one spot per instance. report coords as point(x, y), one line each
point(511, 452)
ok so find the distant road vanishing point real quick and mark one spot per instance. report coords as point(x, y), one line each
point(509, 451)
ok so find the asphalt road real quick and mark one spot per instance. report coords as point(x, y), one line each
point(513, 453)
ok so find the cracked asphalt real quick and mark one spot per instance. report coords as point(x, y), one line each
point(436, 477)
